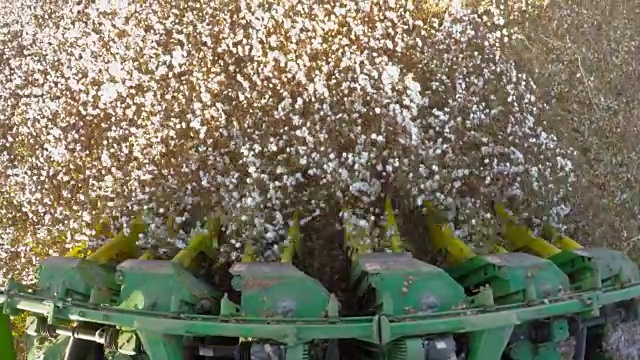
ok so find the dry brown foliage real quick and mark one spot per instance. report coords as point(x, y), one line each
point(584, 56)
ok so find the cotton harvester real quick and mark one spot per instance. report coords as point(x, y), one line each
point(519, 302)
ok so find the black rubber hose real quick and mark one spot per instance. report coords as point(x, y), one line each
point(98, 351)
point(581, 343)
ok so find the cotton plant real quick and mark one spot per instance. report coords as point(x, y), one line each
point(259, 109)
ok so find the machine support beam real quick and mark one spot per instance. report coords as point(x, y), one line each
point(161, 347)
point(489, 344)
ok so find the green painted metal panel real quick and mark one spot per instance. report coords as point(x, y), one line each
point(157, 303)
point(278, 290)
point(489, 344)
point(404, 285)
point(6, 338)
point(596, 267)
point(302, 330)
point(513, 277)
point(162, 286)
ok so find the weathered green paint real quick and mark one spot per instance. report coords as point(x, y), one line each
point(391, 284)
point(297, 352)
point(78, 279)
point(161, 285)
point(278, 290)
point(295, 330)
point(404, 285)
point(405, 349)
point(524, 350)
point(41, 348)
point(516, 278)
point(162, 347)
point(559, 330)
point(513, 277)
point(407, 303)
point(489, 344)
point(6, 338)
point(596, 267)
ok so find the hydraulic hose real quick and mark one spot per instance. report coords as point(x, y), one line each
point(581, 343)
point(79, 349)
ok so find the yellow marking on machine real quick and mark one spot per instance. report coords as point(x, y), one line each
point(78, 251)
point(497, 249)
point(248, 253)
point(147, 255)
point(560, 240)
point(103, 228)
point(121, 247)
point(519, 237)
point(567, 243)
point(294, 236)
point(443, 238)
point(392, 232)
point(203, 242)
point(199, 243)
point(171, 224)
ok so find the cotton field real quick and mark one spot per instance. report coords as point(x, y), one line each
point(254, 110)
point(258, 109)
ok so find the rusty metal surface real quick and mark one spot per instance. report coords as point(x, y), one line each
point(265, 269)
point(394, 261)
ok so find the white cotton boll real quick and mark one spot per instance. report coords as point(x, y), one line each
point(178, 57)
point(390, 74)
point(116, 70)
point(108, 92)
point(106, 161)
